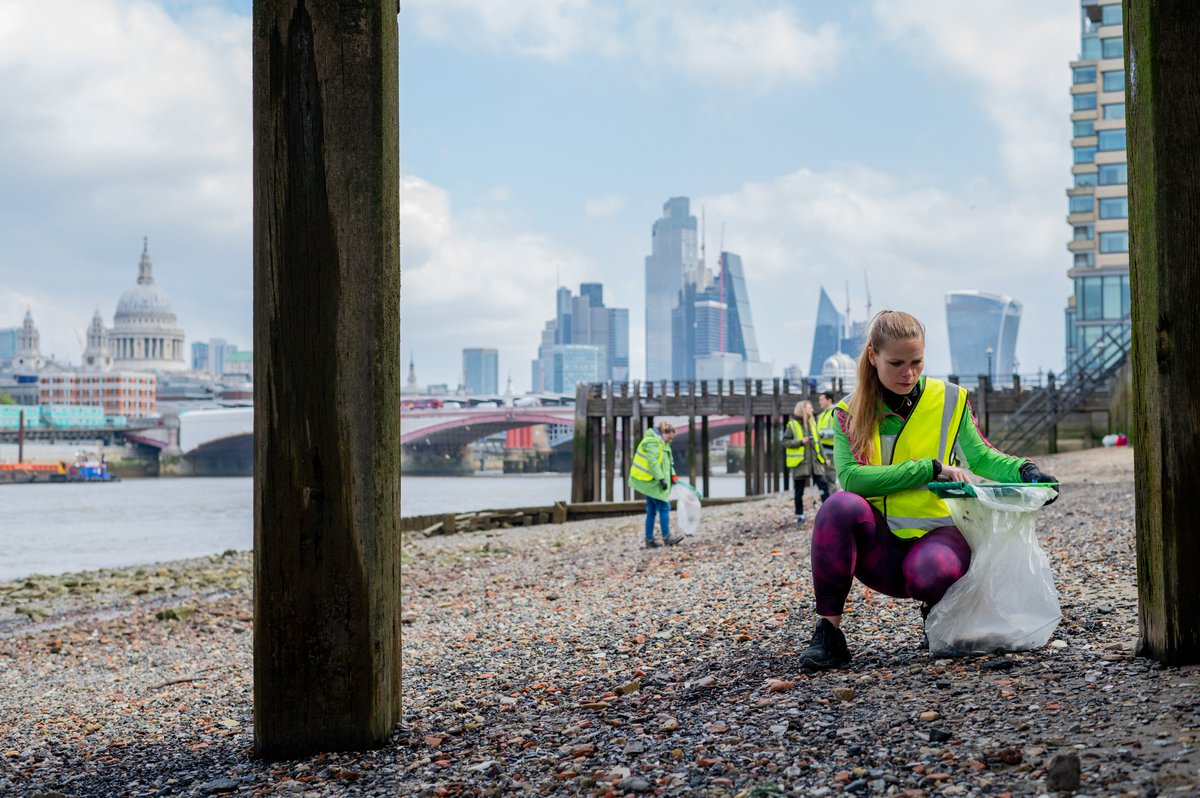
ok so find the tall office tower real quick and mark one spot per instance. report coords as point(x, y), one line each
point(481, 371)
point(594, 293)
point(618, 344)
point(199, 356)
point(739, 323)
point(673, 254)
point(562, 315)
point(829, 334)
point(1098, 201)
point(582, 321)
point(983, 335)
point(8, 344)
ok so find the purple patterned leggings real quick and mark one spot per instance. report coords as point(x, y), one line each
point(851, 539)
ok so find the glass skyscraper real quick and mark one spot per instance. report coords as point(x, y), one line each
point(673, 255)
point(983, 336)
point(829, 333)
point(1098, 199)
point(481, 371)
point(582, 324)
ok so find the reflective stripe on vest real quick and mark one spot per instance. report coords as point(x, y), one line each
point(825, 431)
point(640, 469)
point(795, 455)
point(934, 422)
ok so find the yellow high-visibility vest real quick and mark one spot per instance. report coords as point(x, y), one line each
point(929, 432)
point(825, 433)
point(795, 455)
point(640, 469)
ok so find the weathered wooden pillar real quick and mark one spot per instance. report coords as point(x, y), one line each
point(705, 468)
point(748, 428)
point(1163, 98)
point(691, 457)
point(581, 478)
point(327, 376)
point(610, 444)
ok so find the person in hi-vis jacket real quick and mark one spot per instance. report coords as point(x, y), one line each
point(803, 455)
point(898, 431)
point(651, 474)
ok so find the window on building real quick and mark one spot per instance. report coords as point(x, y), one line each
point(1085, 154)
point(1113, 174)
point(1080, 204)
point(1083, 232)
point(1084, 179)
point(1089, 301)
point(1089, 48)
point(1085, 260)
point(1112, 297)
point(1083, 74)
point(1114, 111)
point(1111, 14)
point(1087, 127)
point(1114, 208)
point(1084, 102)
point(1109, 140)
point(1112, 48)
point(1115, 241)
point(1114, 80)
point(1124, 296)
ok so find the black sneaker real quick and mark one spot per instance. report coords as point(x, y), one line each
point(673, 539)
point(651, 543)
point(827, 650)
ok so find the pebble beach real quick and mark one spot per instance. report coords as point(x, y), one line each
point(566, 659)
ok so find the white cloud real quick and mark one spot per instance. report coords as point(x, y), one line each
point(119, 120)
point(752, 45)
point(808, 230)
point(607, 205)
point(1018, 65)
point(465, 285)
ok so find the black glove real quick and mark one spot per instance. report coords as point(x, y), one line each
point(1032, 474)
point(662, 483)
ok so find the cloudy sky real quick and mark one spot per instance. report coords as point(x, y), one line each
point(919, 147)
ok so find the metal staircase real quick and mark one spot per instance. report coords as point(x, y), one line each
point(1087, 373)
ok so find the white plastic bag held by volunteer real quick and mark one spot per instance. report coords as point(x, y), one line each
point(1006, 601)
point(687, 507)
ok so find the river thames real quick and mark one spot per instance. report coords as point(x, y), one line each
point(58, 528)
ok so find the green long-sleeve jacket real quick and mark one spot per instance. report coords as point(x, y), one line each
point(971, 449)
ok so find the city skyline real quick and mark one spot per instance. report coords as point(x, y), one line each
point(946, 164)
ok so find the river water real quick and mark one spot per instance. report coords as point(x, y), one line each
point(56, 528)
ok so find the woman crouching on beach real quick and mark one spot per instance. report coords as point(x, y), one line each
point(897, 431)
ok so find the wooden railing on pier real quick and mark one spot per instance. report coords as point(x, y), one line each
point(611, 416)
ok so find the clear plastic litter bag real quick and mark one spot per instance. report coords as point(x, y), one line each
point(1006, 601)
point(687, 507)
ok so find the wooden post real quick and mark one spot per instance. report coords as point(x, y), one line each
point(1164, 201)
point(610, 444)
point(1052, 433)
point(581, 482)
point(637, 420)
point(692, 432)
point(748, 428)
point(705, 466)
point(327, 376)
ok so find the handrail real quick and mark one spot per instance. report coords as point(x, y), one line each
point(1088, 372)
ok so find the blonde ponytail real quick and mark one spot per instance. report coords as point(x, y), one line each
point(888, 327)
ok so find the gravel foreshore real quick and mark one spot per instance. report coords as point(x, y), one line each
point(567, 659)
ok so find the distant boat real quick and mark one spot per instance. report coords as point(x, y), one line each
point(87, 467)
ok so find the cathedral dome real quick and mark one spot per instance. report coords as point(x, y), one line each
point(145, 301)
point(144, 334)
